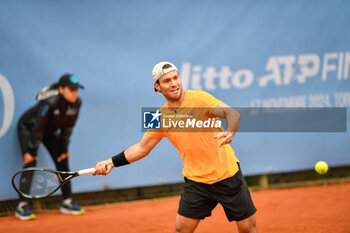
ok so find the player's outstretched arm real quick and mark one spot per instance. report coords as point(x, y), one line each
point(132, 154)
point(232, 122)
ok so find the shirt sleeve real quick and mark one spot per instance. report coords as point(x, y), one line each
point(208, 100)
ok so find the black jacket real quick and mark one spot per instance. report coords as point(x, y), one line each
point(53, 115)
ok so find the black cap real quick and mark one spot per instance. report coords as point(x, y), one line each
point(69, 80)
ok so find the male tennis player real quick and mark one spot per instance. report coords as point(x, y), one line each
point(211, 170)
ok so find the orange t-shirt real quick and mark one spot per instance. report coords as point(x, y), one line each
point(204, 161)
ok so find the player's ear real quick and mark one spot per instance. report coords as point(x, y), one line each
point(156, 86)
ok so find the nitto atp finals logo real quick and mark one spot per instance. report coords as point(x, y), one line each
point(151, 119)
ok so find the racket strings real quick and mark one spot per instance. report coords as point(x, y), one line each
point(36, 183)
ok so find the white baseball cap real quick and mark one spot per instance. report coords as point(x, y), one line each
point(161, 69)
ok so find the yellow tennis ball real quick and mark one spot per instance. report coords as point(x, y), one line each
point(321, 167)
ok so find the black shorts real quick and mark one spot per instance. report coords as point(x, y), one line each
point(199, 199)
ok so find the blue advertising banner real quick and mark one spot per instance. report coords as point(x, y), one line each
point(251, 53)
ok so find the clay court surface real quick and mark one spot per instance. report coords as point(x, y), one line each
point(316, 209)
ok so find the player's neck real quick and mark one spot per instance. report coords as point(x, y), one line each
point(177, 103)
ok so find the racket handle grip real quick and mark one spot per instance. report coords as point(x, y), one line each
point(86, 171)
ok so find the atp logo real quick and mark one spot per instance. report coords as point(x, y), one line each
point(151, 119)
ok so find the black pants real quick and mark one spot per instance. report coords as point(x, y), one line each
point(51, 143)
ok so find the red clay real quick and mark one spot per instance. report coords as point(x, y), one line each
point(317, 209)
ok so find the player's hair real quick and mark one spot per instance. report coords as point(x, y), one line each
point(166, 66)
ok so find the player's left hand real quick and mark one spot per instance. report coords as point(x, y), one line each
point(227, 137)
point(63, 156)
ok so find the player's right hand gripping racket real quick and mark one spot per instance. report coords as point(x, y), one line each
point(37, 182)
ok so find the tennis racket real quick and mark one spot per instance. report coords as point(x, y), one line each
point(38, 182)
